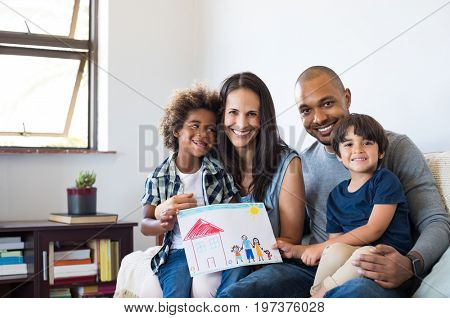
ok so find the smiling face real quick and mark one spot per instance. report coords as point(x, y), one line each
point(359, 155)
point(242, 117)
point(321, 104)
point(198, 134)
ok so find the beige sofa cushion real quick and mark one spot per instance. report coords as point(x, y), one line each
point(439, 164)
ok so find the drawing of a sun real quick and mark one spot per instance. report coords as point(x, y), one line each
point(254, 210)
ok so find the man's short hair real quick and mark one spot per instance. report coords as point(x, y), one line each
point(315, 71)
point(364, 126)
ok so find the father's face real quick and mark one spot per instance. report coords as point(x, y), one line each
point(321, 104)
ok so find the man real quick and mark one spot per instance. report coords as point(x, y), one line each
point(322, 101)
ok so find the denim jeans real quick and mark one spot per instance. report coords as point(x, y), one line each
point(174, 276)
point(367, 288)
point(289, 279)
point(232, 276)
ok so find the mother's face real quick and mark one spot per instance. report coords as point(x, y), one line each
point(242, 120)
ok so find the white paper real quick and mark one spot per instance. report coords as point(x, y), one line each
point(223, 236)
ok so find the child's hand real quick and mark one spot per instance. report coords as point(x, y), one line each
point(168, 219)
point(312, 254)
point(288, 250)
point(177, 202)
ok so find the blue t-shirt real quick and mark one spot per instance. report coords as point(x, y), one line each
point(347, 211)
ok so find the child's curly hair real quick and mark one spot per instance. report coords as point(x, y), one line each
point(179, 106)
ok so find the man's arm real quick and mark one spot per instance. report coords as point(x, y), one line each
point(427, 211)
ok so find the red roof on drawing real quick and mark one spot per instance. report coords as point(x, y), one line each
point(202, 228)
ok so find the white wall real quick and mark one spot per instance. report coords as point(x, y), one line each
point(158, 45)
point(403, 85)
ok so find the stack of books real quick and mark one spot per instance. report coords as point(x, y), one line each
point(103, 290)
point(11, 256)
point(73, 266)
point(73, 263)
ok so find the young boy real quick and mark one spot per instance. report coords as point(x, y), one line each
point(188, 178)
point(368, 209)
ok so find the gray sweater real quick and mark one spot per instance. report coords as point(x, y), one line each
point(322, 172)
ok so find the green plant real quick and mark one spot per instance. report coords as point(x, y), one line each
point(85, 179)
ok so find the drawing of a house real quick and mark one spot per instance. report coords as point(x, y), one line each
point(207, 245)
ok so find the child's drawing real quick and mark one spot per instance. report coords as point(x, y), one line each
point(208, 230)
point(206, 244)
point(258, 249)
point(237, 253)
point(269, 255)
point(247, 247)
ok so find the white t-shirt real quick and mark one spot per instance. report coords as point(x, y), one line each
point(192, 183)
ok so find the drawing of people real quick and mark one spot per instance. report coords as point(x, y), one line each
point(269, 255)
point(247, 246)
point(236, 250)
point(259, 250)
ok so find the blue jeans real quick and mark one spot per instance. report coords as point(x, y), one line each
point(174, 276)
point(367, 288)
point(232, 276)
point(289, 279)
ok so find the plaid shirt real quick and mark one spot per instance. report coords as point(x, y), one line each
point(164, 183)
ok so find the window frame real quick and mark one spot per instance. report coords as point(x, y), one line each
point(83, 50)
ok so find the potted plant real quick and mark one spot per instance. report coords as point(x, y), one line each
point(82, 200)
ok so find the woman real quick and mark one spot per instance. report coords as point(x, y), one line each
point(265, 169)
point(263, 166)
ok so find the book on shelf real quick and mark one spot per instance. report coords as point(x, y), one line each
point(10, 239)
point(75, 268)
point(83, 219)
point(114, 259)
point(75, 274)
point(73, 254)
point(11, 254)
point(86, 291)
point(94, 245)
point(51, 260)
point(105, 260)
point(11, 260)
point(107, 289)
point(101, 290)
point(64, 262)
point(13, 269)
point(60, 293)
point(75, 280)
point(12, 246)
point(67, 269)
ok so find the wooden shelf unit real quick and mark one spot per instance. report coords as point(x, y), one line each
point(38, 234)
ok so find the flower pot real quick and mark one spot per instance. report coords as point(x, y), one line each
point(82, 201)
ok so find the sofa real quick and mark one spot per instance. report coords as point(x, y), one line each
point(135, 276)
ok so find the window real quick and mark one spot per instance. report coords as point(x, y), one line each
point(201, 247)
point(214, 242)
point(48, 82)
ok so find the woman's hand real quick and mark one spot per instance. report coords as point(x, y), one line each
point(177, 202)
point(312, 254)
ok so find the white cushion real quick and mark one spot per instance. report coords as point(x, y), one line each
point(135, 275)
point(437, 283)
